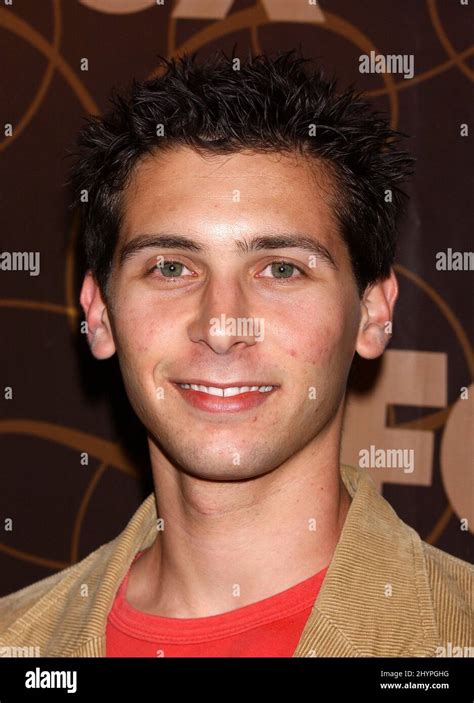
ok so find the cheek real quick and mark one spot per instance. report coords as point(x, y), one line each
point(135, 335)
point(324, 336)
point(319, 350)
point(141, 332)
point(314, 345)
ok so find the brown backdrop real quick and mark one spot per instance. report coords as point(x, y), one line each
point(57, 402)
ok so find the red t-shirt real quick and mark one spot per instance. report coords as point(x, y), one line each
point(269, 628)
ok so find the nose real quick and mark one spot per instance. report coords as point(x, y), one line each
point(224, 318)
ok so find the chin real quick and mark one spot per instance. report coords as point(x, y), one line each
point(209, 464)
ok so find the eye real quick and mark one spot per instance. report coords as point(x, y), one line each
point(282, 270)
point(168, 268)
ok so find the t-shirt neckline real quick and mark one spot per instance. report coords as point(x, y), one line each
point(281, 605)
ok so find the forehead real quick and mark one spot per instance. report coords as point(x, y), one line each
point(239, 192)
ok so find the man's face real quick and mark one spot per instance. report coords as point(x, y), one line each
point(226, 313)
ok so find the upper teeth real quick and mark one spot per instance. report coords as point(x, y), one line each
point(224, 392)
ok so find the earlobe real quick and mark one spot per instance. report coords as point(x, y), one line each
point(375, 328)
point(99, 333)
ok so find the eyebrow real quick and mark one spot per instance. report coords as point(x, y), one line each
point(244, 246)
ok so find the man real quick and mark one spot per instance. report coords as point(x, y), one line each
point(239, 224)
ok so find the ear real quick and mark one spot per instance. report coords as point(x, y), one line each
point(99, 333)
point(375, 327)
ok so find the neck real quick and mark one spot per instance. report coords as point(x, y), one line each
point(228, 544)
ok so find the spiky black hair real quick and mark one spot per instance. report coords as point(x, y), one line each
point(280, 103)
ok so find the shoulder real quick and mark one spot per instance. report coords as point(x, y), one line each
point(452, 588)
point(14, 605)
point(42, 597)
point(68, 610)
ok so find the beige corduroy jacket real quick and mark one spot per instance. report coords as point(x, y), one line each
point(386, 592)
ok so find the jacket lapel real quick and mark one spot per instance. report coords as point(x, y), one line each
point(375, 599)
point(139, 534)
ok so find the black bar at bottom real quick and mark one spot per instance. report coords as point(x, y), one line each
point(54, 679)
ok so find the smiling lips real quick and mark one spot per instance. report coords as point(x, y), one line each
point(226, 397)
point(226, 392)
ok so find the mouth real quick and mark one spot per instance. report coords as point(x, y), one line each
point(225, 397)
